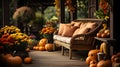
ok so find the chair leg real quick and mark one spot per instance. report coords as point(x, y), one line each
point(70, 53)
point(62, 50)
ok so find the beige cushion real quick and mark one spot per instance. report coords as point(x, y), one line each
point(81, 31)
point(91, 25)
point(61, 38)
point(69, 30)
point(83, 25)
point(61, 28)
point(76, 23)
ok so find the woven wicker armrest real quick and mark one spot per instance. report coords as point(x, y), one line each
point(56, 32)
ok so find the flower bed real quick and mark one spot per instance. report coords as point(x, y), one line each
point(12, 39)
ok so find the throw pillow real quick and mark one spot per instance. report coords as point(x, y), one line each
point(91, 25)
point(81, 31)
point(69, 30)
point(61, 28)
point(76, 23)
point(83, 25)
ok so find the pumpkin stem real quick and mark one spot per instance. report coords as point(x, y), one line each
point(14, 52)
point(97, 47)
point(105, 58)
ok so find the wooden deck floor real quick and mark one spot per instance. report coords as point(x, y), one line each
point(55, 59)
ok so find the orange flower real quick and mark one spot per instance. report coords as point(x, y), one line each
point(47, 30)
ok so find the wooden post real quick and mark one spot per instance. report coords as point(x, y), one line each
point(74, 14)
point(5, 7)
point(62, 11)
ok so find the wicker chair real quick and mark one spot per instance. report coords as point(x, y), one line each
point(76, 43)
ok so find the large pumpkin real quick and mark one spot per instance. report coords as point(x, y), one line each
point(4, 57)
point(14, 61)
point(104, 63)
point(49, 47)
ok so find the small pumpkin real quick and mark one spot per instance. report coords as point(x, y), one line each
point(116, 64)
point(115, 58)
point(89, 59)
point(94, 52)
point(104, 35)
point(93, 63)
point(98, 34)
point(49, 47)
point(118, 53)
point(42, 42)
point(27, 49)
point(41, 48)
point(28, 60)
point(36, 48)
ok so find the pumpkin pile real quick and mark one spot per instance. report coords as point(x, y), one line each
point(43, 45)
point(116, 58)
point(14, 61)
point(92, 59)
point(103, 33)
point(11, 61)
point(92, 56)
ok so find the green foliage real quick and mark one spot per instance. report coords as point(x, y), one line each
point(49, 12)
point(39, 17)
point(82, 9)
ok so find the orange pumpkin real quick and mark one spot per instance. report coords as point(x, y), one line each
point(98, 34)
point(93, 63)
point(4, 57)
point(118, 53)
point(104, 63)
point(15, 61)
point(36, 48)
point(93, 52)
point(42, 42)
point(115, 58)
point(49, 47)
point(28, 60)
point(104, 35)
point(41, 48)
point(89, 59)
point(27, 49)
